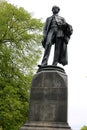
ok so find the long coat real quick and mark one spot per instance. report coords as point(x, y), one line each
point(65, 32)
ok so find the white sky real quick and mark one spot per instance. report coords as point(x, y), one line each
point(74, 11)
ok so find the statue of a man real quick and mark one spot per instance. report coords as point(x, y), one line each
point(56, 31)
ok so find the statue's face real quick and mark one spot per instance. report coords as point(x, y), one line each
point(55, 10)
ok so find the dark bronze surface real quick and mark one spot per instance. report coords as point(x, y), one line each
point(56, 31)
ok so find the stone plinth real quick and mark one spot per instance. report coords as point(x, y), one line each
point(48, 102)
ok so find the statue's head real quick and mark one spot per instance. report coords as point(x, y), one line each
point(55, 9)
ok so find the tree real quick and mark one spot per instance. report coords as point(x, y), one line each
point(84, 128)
point(20, 49)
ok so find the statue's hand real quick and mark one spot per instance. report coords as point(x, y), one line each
point(43, 42)
point(66, 39)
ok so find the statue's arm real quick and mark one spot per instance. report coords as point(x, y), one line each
point(68, 32)
point(45, 33)
point(45, 28)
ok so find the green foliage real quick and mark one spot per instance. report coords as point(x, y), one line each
point(20, 49)
point(84, 128)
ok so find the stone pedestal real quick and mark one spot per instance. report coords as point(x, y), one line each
point(48, 102)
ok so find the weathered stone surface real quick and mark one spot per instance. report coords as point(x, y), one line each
point(48, 102)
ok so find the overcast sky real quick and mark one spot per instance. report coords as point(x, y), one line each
point(74, 11)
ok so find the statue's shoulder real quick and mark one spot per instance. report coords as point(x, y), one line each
point(62, 18)
point(49, 18)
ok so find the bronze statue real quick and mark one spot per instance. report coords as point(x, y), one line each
point(56, 31)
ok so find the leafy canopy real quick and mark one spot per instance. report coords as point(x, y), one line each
point(20, 50)
point(84, 128)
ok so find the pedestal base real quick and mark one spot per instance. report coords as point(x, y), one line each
point(48, 100)
point(45, 126)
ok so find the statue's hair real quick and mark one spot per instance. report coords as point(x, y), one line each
point(55, 7)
